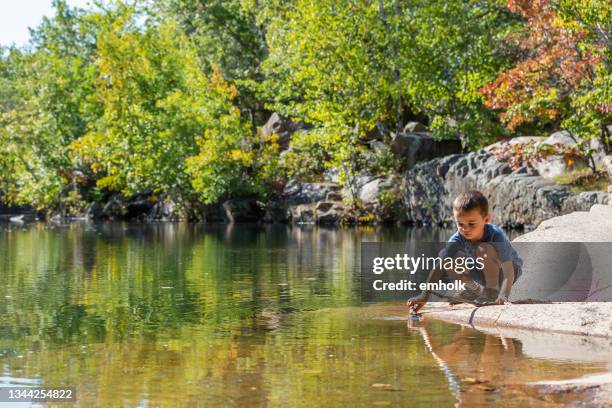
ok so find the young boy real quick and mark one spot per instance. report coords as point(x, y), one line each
point(476, 238)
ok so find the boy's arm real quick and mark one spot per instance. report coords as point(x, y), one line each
point(504, 292)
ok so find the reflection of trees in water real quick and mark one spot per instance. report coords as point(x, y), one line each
point(324, 356)
point(87, 282)
point(117, 280)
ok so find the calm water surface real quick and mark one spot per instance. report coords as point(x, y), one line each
point(188, 315)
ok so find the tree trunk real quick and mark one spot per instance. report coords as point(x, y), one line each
point(393, 46)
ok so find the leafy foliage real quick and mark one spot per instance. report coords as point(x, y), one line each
point(348, 65)
point(166, 126)
point(152, 92)
point(51, 104)
point(518, 155)
point(166, 96)
point(562, 77)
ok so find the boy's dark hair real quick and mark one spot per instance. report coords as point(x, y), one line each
point(470, 200)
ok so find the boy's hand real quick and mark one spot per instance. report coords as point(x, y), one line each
point(502, 300)
point(416, 303)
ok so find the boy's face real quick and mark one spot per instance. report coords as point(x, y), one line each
point(471, 223)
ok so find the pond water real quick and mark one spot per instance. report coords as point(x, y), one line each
point(191, 315)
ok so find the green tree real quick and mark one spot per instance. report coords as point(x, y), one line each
point(451, 49)
point(223, 166)
point(592, 103)
point(225, 34)
point(166, 126)
point(345, 66)
point(51, 84)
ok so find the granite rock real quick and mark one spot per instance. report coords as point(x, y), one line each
point(517, 198)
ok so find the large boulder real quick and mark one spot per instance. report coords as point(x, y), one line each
point(562, 137)
point(307, 203)
point(313, 202)
point(382, 198)
point(520, 140)
point(412, 148)
point(329, 212)
point(551, 167)
point(303, 214)
point(534, 148)
point(556, 165)
point(323, 212)
point(587, 235)
point(370, 191)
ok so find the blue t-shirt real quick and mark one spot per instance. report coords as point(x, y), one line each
point(493, 235)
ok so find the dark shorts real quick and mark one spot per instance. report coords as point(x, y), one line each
point(478, 275)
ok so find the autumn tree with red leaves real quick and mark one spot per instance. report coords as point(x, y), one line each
point(561, 79)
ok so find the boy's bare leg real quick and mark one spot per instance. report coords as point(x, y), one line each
point(464, 277)
point(491, 265)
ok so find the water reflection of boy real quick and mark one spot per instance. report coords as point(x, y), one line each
point(475, 364)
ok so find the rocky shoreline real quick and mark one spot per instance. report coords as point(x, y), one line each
point(517, 198)
point(581, 318)
point(422, 196)
point(435, 172)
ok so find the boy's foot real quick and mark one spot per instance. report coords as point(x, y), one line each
point(489, 295)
